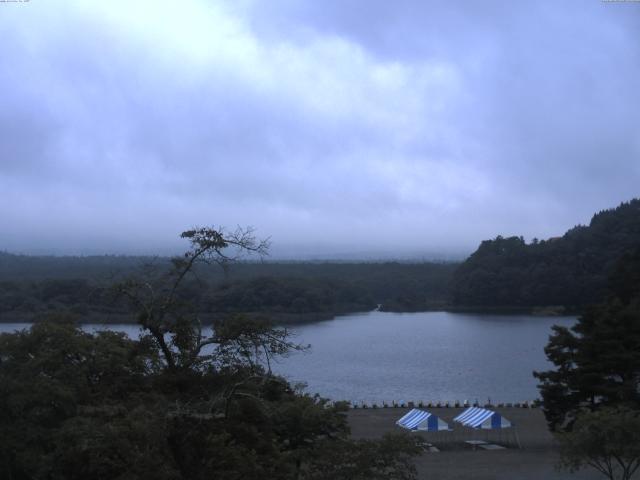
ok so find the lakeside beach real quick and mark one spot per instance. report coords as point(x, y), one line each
point(537, 459)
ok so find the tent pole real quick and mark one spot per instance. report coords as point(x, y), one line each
point(515, 431)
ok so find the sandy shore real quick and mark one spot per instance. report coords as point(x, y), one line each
point(536, 460)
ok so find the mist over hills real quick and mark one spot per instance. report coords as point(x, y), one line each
point(570, 272)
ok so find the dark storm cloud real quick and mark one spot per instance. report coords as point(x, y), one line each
point(336, 127)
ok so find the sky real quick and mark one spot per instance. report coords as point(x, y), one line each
point(347, 128)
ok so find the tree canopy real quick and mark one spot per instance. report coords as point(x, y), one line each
point(291, 291)
point(607, 440)
point(176, 403)
point(570, 271)
point(598, 360)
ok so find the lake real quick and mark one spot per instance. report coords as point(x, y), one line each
point(428, 356)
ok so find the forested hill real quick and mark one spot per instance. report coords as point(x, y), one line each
point(571, 270)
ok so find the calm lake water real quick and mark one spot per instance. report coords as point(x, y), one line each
point(429, 356)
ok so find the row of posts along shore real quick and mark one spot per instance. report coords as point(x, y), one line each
point(456, 404)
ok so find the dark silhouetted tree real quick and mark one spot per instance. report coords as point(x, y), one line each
point(598, 360)
point(607, 440)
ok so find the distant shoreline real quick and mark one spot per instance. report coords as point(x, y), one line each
point(543, 311)
point(284, 319)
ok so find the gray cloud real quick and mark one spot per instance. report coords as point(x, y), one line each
point(409, 127)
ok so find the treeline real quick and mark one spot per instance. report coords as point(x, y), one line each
point(81, 285)
point(505, 273)
point(289, 295)
point(570, 271)
point(35, 268)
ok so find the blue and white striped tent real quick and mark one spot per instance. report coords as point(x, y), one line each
point(424, 421)
point(476, 417)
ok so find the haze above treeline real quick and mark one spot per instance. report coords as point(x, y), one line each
point(276, 254)
point(280, 253)
point(417, 249)
point(505, 274)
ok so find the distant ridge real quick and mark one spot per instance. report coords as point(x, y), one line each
point(569, 271)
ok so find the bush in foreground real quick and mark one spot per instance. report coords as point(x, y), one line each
point(75, 405)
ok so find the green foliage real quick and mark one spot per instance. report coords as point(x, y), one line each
point(571, 270)
point(289, 295)
point(175, 404)
point(607, 440)
point(75, 405)
point(598, 360)
point(54, 375)
point(289, 290)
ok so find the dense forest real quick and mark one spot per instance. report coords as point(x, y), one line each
point(569, 271)
point(287, 291)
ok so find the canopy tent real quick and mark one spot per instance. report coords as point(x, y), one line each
point(424, 421)
point(476, 417)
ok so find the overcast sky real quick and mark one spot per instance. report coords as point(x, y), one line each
point(364, 128)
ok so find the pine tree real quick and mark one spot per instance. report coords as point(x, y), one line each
point(598, 360)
